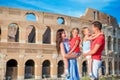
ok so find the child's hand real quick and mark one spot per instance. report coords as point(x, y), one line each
point(84, 54)
point(69, 53)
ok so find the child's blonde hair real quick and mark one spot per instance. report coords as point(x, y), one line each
point(83, 30)
point(71, 36)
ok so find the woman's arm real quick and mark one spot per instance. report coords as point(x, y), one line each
point(62, 49)
point(68, 56)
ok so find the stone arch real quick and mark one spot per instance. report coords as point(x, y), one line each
point(31, 34)
point(46, 69)
point(84, 68)
point(13, 32)
point(47, 36)
point(29, 69)
point(31, 16)
point(109, 42)
point(61, 20)
point(60, 69)
point(11, 69)
point(110, 68)
point(103, 67)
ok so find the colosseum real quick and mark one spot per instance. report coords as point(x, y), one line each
point(27, 43)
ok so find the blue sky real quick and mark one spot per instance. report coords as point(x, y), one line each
point(74, 8)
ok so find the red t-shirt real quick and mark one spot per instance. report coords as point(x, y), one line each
point(72, 43)
point(99, 40)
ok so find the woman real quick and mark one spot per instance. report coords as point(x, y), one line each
point(62, 46)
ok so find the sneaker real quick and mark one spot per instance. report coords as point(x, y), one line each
point(65, 75)
point(91, 77)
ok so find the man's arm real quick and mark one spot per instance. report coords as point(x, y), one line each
point(93, 51)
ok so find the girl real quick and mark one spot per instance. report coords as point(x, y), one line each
point(86, 46)
point(74, 48)
point(62, 46)
point(75, 42)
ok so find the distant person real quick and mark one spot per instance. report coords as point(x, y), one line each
point(86, 42)
point(97, 46)
point(62, 45)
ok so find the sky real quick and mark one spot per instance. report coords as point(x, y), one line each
point(74, 8)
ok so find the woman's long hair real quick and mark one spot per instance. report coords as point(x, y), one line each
point(59, 39)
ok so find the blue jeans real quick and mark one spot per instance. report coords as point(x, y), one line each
point(96, 64)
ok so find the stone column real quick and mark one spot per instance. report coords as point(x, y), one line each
point(21, 66)
point(113, 67)
point(54, 66)
point(22, 35)
point(106, 65)
point(117, 67)
point(79, 61)
point(38, 69)
point(2, 67)
point(21, 69)
point(53, 36)
point(4, 33)
point(106, 45)
point(39, 35)
point(53, 71)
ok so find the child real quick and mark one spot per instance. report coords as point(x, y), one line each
point(75, 42)
point(74, 47)
point(86, 46)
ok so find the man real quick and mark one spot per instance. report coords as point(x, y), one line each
point(97, 46)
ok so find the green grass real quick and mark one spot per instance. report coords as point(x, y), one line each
point(102, 78)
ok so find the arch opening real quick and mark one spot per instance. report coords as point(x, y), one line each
point(119, 67)
point(84, 68)
point(11, 70)
point(30, 17)
point(13, 33)
point(60, 20)
point(60, 68)
point(114, 44)
point(29, 69)
point(0, 33)
point(31, 34)
point(46, 69)
point(47, 36)
point(103, 68)
point(109, 43)
point(110, 68)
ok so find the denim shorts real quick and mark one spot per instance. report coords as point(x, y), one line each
point(76, 53)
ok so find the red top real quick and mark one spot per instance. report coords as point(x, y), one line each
point(99, 40)
point(72, 43)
